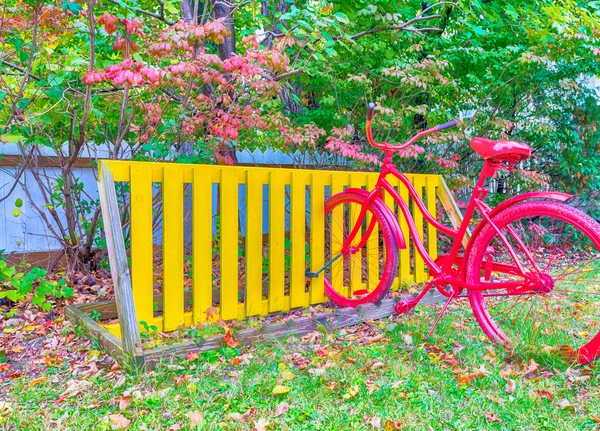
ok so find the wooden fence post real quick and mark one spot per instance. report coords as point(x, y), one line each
point(117, 255)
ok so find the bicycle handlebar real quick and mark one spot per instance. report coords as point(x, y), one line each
point(446, 125)
point(387, 147)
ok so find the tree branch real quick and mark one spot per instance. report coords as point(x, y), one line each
point(404, 26)
point(161, 16)
point(19, 68)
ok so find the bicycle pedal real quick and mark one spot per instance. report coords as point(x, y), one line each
point(405, 305)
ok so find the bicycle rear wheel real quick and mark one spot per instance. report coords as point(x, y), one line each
point(364, 274)
point(559, 250)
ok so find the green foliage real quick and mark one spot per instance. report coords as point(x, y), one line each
point(19, 286)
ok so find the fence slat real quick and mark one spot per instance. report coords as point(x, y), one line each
point(228, 246)
point(405, 270)
point(202, 253)
point(276, 241)
point(420, 274)
point(372, 246)
point(338, 181)
point(317, 236)
point(254, 245)
point(142, 265)
point(298, 239)
point(172, 247)
point(431, 185)
point(356, 181)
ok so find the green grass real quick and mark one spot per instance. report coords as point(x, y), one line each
point(397, 379)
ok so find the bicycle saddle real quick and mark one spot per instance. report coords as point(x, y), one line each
point(502, 151)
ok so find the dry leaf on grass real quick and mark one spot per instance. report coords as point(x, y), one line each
point(280, 390)
point(511, 386)
point(195, 418)
point(492, 417)
point(281, 409)
point(261, 424)
point(118, 422)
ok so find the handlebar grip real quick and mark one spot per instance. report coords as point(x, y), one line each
point(446, 125)
point(370, 110)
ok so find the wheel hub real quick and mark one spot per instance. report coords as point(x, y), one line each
point(540, 282)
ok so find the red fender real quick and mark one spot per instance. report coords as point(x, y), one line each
point(387, 213)
point(557, 196)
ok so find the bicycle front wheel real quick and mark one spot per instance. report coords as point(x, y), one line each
point(558, 248)
point(360, 274)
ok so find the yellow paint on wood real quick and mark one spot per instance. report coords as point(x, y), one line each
point(172, 247)
point(253, 244)
point(420, 275)
point(317, 235)
point(276, 240)
point(372, 245)
point(298, 239)
point(338, 181)
point(142, 263)
point(431, 186)
point(228, 246)
point(202, 253)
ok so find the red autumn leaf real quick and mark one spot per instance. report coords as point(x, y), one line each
point(544, 394)
point(211, 313)
point(192, 356)
point(229, 340)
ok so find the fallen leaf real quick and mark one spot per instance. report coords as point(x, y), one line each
point(192, 356)
point(531, 367)
point(595, 419)
point(280, 390)
point(565, 404)
point(377, 365)
point(118, 422)
point(37, 381)
point(287, 375)
point(229, 340)
point(544, 394)
point(238, 416)
point(195, 418)
point(511, 386)
point(492, 417)
point(391, 425)
point(375, 421)
point(124, 402)
point(281, 409)
point(351, 393)
point(261, 424)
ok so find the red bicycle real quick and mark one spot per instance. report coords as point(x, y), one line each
point(529, 270)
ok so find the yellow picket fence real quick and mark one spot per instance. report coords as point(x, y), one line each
point(258, 272)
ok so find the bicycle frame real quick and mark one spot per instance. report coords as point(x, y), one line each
point(441, 273)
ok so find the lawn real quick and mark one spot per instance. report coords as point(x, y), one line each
point(380, 375)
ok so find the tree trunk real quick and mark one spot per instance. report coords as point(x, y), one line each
point(224, 9)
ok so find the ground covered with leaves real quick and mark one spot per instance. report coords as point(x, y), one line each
point(379, 375)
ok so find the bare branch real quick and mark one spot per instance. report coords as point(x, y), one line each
point(19, 68)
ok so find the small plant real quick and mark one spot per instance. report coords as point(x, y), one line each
point(17, 286)
point(95, 315)
point(149, 330)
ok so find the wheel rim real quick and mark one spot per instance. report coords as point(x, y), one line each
point(359, 275)
point(564, 265)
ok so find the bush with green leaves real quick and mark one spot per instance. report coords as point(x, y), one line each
point(32, 285)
